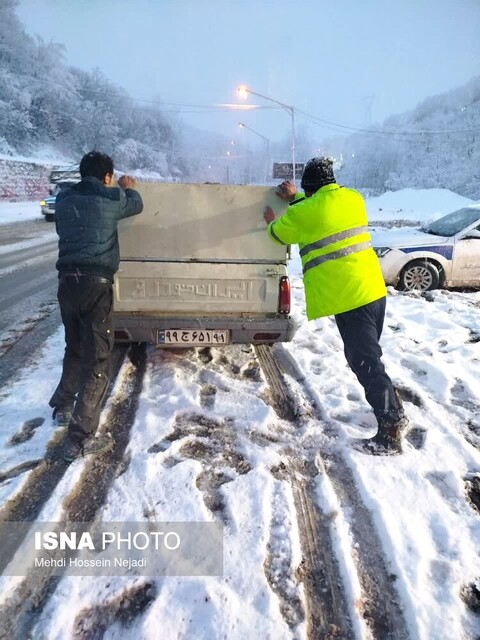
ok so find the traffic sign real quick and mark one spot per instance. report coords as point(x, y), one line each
point(284, 170)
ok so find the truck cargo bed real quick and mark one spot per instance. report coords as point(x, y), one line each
point(199, 256)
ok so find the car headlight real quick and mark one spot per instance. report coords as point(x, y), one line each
point(43, 203)
point(381, 251)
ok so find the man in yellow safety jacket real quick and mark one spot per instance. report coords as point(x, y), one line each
point(342, 277)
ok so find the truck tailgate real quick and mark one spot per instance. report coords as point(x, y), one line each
point(178, 288)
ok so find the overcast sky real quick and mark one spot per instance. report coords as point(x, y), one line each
point(348, 61)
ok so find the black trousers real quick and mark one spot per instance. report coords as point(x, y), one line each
point(86, 305)
point(360, 330)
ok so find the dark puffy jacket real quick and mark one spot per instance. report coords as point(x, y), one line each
point(86, 218)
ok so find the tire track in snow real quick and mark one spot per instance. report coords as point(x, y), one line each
point(215, 445)
point(26, 505)
point(214, 442)
point(20, 348)
point(91, 623)
point(327, 611)
point(381, 606)
point(22, 610)
point(279, 568)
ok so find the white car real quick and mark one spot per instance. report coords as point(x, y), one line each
point(444, 253)
point(47, 206)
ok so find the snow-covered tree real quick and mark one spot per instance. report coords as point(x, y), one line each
point(43, 100)
point(435, 145)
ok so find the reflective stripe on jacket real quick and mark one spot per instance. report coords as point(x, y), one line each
point(340, 269)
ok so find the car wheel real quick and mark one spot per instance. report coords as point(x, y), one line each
point(419, 275)
point(50, 217)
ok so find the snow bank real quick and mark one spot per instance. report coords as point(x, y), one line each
point(414, 204)
point(19, 211)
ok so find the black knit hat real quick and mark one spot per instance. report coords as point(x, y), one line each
point(317, 173)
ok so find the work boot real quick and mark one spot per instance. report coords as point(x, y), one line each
point(61, 416)
point(92, 444)
point(402, 415)
point(388, 439)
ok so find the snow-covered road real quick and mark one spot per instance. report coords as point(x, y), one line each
point(206, 444)
point(424, 516)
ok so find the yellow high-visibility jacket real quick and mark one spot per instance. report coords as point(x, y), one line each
point(340, 269)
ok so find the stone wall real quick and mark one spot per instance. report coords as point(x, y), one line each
point(23, 181)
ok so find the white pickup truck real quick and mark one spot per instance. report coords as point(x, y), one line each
point(197, 268)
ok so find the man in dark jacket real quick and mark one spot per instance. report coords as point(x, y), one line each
point(86, 218)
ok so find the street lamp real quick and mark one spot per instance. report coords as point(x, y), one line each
point(232, 142)
point(244, 126)
point(243, 92)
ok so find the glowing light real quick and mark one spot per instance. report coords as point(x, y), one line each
point(242, 91)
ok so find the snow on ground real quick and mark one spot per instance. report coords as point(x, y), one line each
point(414, 204)
point(47, 236)
point(428, 526)
point(19, 211)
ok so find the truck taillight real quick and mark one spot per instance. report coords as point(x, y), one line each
point(284, 295)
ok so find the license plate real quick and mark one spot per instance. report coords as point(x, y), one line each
point(193, 337)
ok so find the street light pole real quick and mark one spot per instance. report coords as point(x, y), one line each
point(267, 141)
point(232, 142)
point(244, 91)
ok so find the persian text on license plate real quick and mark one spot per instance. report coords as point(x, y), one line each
point(193, 337)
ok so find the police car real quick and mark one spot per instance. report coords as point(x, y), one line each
point(444, 253)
